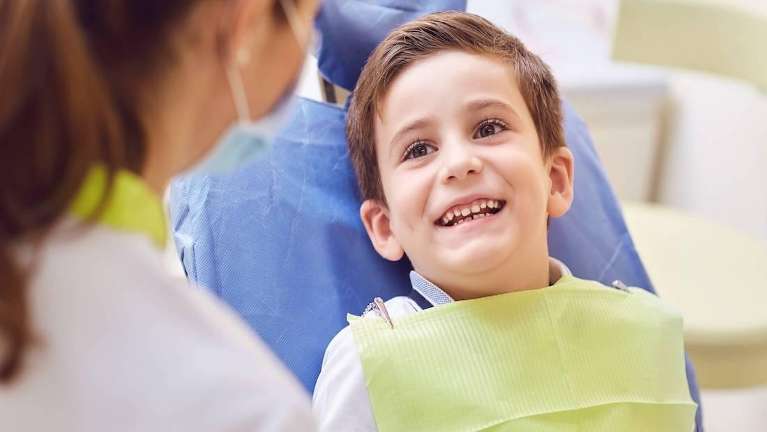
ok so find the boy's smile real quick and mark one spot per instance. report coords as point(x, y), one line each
point(470, 210)
point(466, 184)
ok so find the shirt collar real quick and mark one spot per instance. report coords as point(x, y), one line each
point(436, 296)
point(131, 206)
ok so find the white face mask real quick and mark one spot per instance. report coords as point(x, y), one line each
point(249, 138)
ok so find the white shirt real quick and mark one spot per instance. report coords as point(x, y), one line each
point(341, 401)
point(122, 346)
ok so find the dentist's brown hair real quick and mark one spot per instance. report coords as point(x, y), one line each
point(69, 73)
point(429, 35)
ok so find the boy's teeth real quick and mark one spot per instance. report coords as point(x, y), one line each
point(476, 210)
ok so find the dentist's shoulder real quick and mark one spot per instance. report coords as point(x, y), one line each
point(103, 102)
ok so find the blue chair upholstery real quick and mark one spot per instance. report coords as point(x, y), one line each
point(281, 240)
point(350, 30)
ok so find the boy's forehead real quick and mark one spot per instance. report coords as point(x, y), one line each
point(448, 83)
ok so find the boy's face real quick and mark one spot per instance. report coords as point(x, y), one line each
point(467, 188)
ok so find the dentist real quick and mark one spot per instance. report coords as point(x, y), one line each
point(101, 103)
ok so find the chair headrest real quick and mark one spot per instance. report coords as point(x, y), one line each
point(350, 30)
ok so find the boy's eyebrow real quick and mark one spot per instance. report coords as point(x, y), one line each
point(415, 125)
point(480, 104)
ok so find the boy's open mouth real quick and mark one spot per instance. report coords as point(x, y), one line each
point(467, 212)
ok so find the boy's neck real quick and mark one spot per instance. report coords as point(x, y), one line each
point(533, 274)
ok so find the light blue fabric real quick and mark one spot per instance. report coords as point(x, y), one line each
point(281, 240)
point(430, 292)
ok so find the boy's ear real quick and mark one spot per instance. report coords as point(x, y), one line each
point(375, 217)
point(561, 182)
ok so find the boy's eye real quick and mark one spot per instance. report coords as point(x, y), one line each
point(489, 127)
point(418, 149)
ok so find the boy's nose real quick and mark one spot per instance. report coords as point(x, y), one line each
point(459, 163)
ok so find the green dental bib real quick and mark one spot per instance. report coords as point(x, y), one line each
point(576, 356)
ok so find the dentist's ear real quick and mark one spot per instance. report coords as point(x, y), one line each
point(375, 217)
point(560, 168)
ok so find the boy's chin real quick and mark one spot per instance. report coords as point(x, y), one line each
point(472, 260)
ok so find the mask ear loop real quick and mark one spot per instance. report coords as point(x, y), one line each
point(238, 91)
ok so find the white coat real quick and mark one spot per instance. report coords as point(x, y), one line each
point(122, 346)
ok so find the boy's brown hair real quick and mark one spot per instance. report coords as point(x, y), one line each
point(429, 35)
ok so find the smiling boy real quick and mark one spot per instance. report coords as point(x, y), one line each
point(455, 134)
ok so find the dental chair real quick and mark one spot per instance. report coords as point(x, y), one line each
point(281, 242)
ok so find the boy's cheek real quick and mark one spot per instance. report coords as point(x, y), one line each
point(407, 204)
